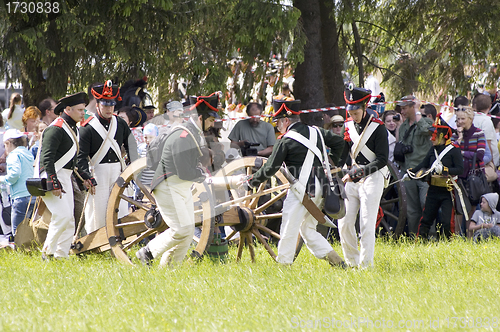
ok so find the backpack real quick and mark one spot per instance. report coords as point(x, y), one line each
point(155, 148)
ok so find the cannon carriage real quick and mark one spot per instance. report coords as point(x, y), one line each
point(217, 203)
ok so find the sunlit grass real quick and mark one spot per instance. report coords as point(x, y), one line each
point(409, 282)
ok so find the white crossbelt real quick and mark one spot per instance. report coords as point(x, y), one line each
point(108, 141)
point(359, 145)
point(68, 156)
point(310, 144)
point(299, 188)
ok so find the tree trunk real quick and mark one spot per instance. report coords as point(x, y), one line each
point(359, 53)
point(333, 81)
point(34, 85)
point(308, 85)
point(59, 68)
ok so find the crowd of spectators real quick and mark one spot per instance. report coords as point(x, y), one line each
point(475, 133)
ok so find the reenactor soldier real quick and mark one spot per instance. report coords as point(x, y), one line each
point(171, 186)
point(366, 152)
point(59, 149)
point(100, 159)
point(296, 148)
point(443, 163)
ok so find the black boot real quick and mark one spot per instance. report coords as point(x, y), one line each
point(145, 256)
point(423, 233)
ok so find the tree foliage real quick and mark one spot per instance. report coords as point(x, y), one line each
point(430, 47)
point(89, 41)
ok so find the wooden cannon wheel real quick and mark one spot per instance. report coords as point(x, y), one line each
point(126, 232)
point(247, 212)
point(393, 203)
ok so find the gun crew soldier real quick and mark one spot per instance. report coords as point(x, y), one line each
point(100, 160)
point(301, 148)
point(443, 162)
point(178, 168)
point(58, 152)
point(366, 152)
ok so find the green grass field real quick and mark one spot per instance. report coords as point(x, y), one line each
point(445, 286)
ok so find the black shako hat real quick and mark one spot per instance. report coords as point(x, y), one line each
point(106, 94)
point(141, 117)
point(71, 100)
point(356, 97)
point(285, 108)
point(205, 105)
point(440, 126)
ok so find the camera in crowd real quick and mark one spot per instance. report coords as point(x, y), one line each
point(407, 149)
point(248, 149)
point(396, 117)
point(400, 150)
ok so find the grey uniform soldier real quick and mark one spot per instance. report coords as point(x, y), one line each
point(172, 184)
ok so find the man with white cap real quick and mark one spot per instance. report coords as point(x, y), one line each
point(100, 159)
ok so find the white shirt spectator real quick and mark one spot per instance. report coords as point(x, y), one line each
point(372, 84)
point(483, 122)
point(16, 120)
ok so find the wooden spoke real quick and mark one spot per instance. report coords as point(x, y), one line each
point(139, 239)
point(240, 248)
point(250, 246)
point(386, 226)
point(255, 200)
point(389, 214)
point(134, 202)
point(267, 230)
point(268, 216)
point(264, 243)
point(132, 223)
point(270, 202)
point(389, 201)
point(230, 236)
point(145, 191)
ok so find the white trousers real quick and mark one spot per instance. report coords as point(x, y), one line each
point(175, 202)
point(95, 211)
point(365, 198)
point(297, 219)
point(62, 223)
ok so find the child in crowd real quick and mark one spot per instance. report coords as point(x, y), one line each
point(485, 222)
point(35, 144)
point(19, 168)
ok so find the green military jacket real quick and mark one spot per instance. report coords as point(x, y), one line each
point(419, 138)
point(180, 156)
point(293, 154)
point(55, 143)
